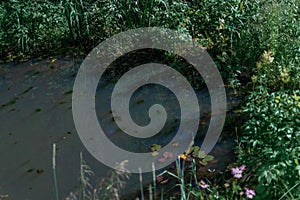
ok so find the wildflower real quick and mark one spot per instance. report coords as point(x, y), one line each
point(182, 156)
point(249, 193)
point(237, 171)
point(242, 167)
point(203, 185)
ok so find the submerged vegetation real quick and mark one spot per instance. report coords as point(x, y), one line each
point(255, 45)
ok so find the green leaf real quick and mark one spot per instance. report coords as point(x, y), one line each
point(200, 154)
point(208, 158)
point(203, 162)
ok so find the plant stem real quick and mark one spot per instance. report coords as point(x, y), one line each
point(289, 191)
point(54, 171)
point(141, 183)
point(154, 180)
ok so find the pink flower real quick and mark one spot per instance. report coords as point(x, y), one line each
point(237, 171)
point(168, 155)
point(238, 175)
point(249, 193)
point(203, 185)
point(242, 167)
point(162, 159)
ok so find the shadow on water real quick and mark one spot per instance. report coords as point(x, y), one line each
point(35, 112)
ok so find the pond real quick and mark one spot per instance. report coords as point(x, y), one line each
point(35, 112)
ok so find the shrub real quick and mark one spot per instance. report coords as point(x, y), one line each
point(272, 142)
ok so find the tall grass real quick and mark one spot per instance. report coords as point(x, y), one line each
point(77, 19)
point(35, 27)
point(106, 189)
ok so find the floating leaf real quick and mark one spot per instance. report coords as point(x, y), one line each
point(27, 90)
point(175, 144)
point(68, 92)
point(139, 101)
point(155, 153)
point(39, 171)
point(30, 170)
point(155, 147)
point(36, 73)
point(11, 102)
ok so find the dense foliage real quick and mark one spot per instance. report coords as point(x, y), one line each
point(272, 142)
point(38, 28)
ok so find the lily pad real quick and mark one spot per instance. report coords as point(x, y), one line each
point(155, 153)
point(155, 147)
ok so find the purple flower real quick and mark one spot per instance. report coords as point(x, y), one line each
point(242, 167)
point(237, 171)
point(237, 175)
point(203, 185)
point(249, 193)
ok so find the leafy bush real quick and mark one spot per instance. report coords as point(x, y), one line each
point(272, 142)
point(278, 31)
point(271, 139)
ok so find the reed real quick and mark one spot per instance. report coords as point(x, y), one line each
point(54, 171)
point(141, 183)
point(77, 19)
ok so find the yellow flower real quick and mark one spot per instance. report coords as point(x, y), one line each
point(254, 79)
point(182, 156)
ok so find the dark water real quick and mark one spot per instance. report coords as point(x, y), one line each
point(35, 112)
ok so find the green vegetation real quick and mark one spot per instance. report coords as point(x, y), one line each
point(255, 44)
